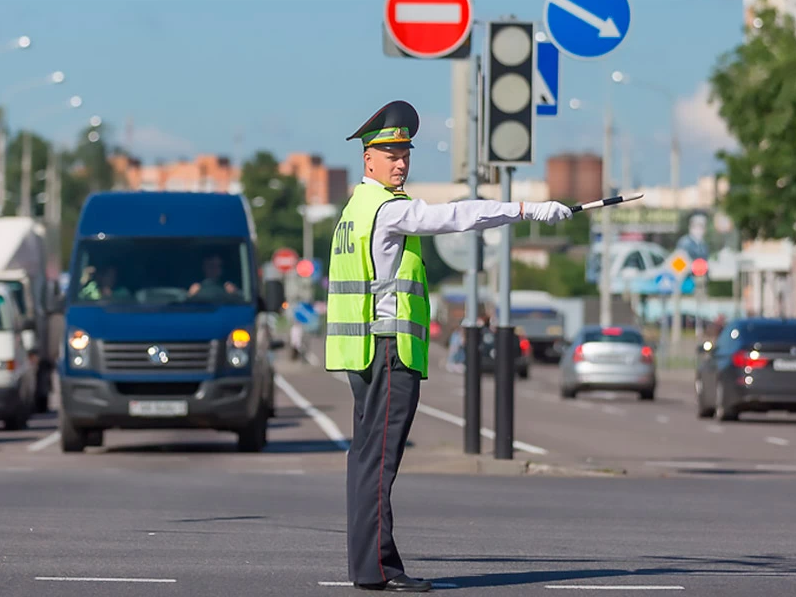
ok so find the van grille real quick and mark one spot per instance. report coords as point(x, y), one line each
point(179, 357)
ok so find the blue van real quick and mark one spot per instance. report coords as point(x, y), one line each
point(166, 319)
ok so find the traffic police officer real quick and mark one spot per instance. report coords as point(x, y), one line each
point(377, 326)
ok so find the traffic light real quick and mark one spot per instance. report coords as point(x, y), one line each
point(509, 104)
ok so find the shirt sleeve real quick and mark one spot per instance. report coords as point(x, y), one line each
point(417, 218)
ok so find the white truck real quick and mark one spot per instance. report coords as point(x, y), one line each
point(23, 269)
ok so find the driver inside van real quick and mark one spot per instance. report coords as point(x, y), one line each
point(213, 270)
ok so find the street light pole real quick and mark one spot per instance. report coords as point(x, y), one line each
point(606, 232)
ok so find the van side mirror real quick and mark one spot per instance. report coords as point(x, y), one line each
point(274, 296)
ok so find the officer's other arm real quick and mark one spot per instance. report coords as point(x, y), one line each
point(418, 218)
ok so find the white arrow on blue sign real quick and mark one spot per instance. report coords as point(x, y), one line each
point(665, 283)
point(587, 29)
point(548, 76)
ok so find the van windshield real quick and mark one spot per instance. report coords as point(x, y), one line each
point(158, 271)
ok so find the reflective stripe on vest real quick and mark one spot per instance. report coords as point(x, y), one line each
point(382, 326)
point(377, 287)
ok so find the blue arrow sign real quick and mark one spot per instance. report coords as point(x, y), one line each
point(548, 71)
point(587, 29)
point(665, 283)
point(305, 313)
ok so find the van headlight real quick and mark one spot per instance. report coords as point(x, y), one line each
point(78, 343)
point(238, 343)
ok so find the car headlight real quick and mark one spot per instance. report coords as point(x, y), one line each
point(238, 343)
point(78, 343)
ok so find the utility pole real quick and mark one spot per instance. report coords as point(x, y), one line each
point(25, 207)
point(472, 376)
point(605, 265)
point(504, 339)
point(3, 143)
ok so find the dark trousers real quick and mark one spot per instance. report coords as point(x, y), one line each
point(385, 402)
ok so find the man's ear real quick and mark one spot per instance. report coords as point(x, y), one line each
point(368, 158)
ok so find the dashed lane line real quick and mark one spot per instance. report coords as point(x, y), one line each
point(45, 442)
point(326, 424)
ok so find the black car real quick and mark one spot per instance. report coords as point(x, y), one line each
point(522, 353)
point(751, 366)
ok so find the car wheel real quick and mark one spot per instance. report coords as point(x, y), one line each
point(648, 394)
point(252, 438)
point(724, 412)
point(703, 412)
point(568, 393)
point(72, 438)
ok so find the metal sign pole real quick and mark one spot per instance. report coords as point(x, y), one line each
point(472, 376)
point(504, 341)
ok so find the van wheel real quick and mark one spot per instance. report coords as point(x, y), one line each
point(72, 438)
point(252, 438)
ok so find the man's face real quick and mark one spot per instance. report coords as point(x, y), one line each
point(213, 267)
point(389, 166)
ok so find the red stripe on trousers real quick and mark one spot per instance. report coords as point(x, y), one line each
point(383, 454)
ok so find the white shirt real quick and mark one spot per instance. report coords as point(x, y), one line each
point(397, 219)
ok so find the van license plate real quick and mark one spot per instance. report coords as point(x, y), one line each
point(784, 365)
point(158, 408)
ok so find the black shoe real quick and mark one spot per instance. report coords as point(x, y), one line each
point(401, 583)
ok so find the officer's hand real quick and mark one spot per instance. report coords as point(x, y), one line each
point(549, 212)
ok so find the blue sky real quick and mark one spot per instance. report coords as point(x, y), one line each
point(301, 75)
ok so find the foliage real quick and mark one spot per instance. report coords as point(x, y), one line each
point(755, 87)
point(278, 221)
point(563, 277)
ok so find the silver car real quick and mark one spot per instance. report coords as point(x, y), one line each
point(611, 358)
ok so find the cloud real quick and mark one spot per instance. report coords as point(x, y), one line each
point(152, 141)
point(699, 123)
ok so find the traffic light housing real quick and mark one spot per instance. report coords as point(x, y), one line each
point(509, 103)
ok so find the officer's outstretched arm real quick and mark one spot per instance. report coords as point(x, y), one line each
point(418, 218)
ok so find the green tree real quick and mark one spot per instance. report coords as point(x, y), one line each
point(278, 222)
point(756, 89)
point(562, 277)
point(92, 153)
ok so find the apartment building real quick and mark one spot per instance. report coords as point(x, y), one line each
point(205, 173)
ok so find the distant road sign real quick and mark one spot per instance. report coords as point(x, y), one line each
point(665, 283)
point(305, 313)
point(587, 29)
point(285, 259)
point(305, 268)
point(679, 263)
point(699, 267)
point(548, 77)
point(454, 250)
point(428, 28)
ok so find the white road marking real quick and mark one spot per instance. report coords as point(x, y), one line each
point(441, 13)
point(487, 433)
point(779, 468)
point(449, 418)
point(618, 587)
point(313, 360)
point(340, 377)
point(715, 429)
point(328, 426)
point(613, 410)
point(777, 441)
point(683, 465)
point(583, 405)
point(335, 583)
point(662, 419)
point(93, 579)
point(45, 442)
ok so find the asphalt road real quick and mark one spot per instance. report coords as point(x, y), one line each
point(700, 508)
point(174, 531)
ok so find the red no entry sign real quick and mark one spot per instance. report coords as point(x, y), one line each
point(285, 259)
point(428, 28)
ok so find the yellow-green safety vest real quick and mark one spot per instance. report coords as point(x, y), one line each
point(351, 325)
